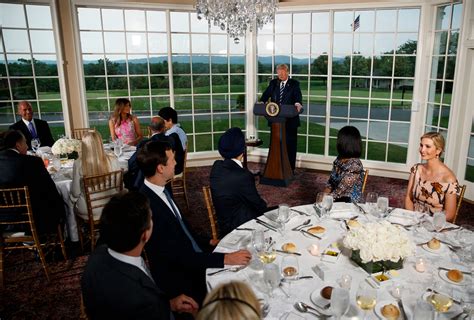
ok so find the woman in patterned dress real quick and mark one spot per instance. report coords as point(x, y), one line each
point(123, 125)
point(347, 175)
point(432, 186)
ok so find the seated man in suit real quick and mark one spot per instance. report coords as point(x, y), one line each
point(178, 258)
point(116, 283)
point(19, 169)
point(172, 126)
point(32, 128)
point(234, 194)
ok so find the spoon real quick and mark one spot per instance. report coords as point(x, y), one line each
point(302, 225)
point(303, 307)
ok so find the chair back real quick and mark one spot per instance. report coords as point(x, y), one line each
point(460, 196)
point(178, 183)
point(364, 182)
point(78, 133)
point(211, 212)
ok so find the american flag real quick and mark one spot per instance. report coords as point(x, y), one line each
point(356, 23)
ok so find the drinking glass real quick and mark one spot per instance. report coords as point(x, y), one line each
point(439, 220)
point(465, 236)
point(289, 269)
point(371, 201)
point(327, 202)
point(382, 205)
point(258, 241)
point(268, 254)
point(345, 281)
point(441, 300)
point(339, 302)
point(423, 310)
point(118, 147)
point(318, 205)
point(366, 297)
point(283, 214)
point(271, 276)
point(35, 144)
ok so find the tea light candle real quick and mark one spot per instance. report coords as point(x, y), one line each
point(420, 265)
point(314, 249)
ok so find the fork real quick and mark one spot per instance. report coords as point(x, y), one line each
point(231, 269)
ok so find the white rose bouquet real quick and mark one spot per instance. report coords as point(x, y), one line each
point(66, 146)
point(379, 241)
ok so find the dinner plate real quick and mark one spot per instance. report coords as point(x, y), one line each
point(443, 274)
point(453, 311)
point(381, 304)
point(441, 249)
point(319, 301)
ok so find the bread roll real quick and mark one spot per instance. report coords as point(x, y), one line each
point(289, 246)
point(390, 311)
point(434, 244)
point(353, 223)
point(326, 292)
point(455, 275)
point(316, 229)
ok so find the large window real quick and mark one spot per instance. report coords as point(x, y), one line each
point(125, 53)
point(28, 65)
point(470, 157)
point(354, 68)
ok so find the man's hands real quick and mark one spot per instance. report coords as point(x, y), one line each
point(298, 106)
point(214, 242)
point(241, 257)
point(183, 303)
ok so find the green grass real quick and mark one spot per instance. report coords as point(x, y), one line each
point(469, 173)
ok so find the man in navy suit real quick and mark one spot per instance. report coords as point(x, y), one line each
point(32, 128)
point(116, 283)
point(178, 257)
point(285, 91)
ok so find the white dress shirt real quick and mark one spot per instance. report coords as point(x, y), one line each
point(27, 123)
point(238, 162)
point(134, 261)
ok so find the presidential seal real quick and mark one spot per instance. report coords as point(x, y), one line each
point(272, 109)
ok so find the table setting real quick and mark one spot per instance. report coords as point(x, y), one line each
point(380, 263)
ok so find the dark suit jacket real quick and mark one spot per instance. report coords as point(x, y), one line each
point(174, 264)
point(234, 195)
point(19, 170)
point(42, 129)
point(291, 95)
point(113, 289)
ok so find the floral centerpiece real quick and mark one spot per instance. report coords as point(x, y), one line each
point(67, 148)
point(379, 246)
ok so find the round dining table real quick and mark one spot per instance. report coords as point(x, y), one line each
point(318, 270)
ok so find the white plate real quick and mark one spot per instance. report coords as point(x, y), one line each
point(319, 301)
point(441, 249)
point(443, 274)
point(381, 304)
point(453, 311)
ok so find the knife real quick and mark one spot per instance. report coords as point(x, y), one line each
point(263, 223)
point(289, 252)
point(299, 278)
point(402, 310)
point(245, 229)
point(300, 212)
point(310, 234)
point(447, 269)
point(359, 207)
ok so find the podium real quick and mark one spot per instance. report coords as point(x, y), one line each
point(277, 169)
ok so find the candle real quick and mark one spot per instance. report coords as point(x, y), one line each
point(314, 249)
point(420, 265)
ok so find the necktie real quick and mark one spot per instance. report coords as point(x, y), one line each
point(282, 88)
point(31, 127)
point(186, 231)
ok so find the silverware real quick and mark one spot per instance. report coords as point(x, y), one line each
point(310, 234)
point(447, 269)
point(402, 309)
point(302, 225)
point(209, 286)
point(450, 228)
point(434, 291)
point(263, 223)
point(299, 278)
point(245, 229)
point(231, 269)
point(300, 212)
point(281, 288)
point(359, 207)
point(389, 212)
point(289, 252)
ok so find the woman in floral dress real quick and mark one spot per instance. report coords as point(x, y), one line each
point(123, 125)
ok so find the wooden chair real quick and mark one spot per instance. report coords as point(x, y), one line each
point(78, 133)
point(460, 196)
point(366, 174)
point(98, 190)
point(178, 183)
point(15, 207)
point(211, 212)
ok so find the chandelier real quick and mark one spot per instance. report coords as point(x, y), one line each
point(237, 16)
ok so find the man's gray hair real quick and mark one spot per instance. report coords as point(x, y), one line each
point(282, 66)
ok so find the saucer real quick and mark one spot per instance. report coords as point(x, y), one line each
point(378, 308)
point(443, 274)
point(441, 249)
point(319, 301)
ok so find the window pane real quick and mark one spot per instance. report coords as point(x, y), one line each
point(443, 16)
point(135, 20)
point(386, 20)
point(383, 66)
point(218, 44)
point(118, 86)
point(16, 40)
point(48, 88)
point(283, 23)
point(342, 43)
point(159, 85)
point(156, 20)
point(114, 42)
point(361, 66)
point(136, 42)
point(363, 44)
point(407, 43)
point(301, 22)
point(384, 43)
point(23, 89)
point(19, 65)
point(457, 16)
point(93, 64)
point(366, 20)
point(91, 42)
point(360, 87)
point(201, 63)
point(198, 25)
point(179, 21)
point(320, 22)
point(381, 88)
point(301, 44)
point(42, 41)
point(265, 44)
point(282, 44)
point(408, 20)
point(237, 64)
point(180, 43)
point(157, 43)
point(12, 16)
point(116, 64)
point(112, 19)
point(89, 19)
point(343, 21)
point(39, 17)
point(319, 43)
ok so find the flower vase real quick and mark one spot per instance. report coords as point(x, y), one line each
point(377, 266)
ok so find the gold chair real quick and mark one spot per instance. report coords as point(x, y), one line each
point(15, 202)
point(98, 190)
point(366, 174)
point(78, 133)
point(178, 183)
point(460, 196)
point(211, 212)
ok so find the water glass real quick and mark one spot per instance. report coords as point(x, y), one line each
point(283, 215)
point(339, 302)
point(258, 241)
point(271, 277)
point(439, 220)
point(35, 144)
point(327, 202)
point(345, 281)
point(289, 269)
point(382, 205)
point(371, 201)
point(318, 205)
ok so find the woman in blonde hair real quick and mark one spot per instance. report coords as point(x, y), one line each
point(92, 161)
point(233, 300)
point(432, 185)
point(123, 125)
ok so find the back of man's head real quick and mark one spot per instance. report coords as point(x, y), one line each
point(168, 113)
point(123, 221)
point(152, 154)
point(10, 138)
point(157, 125)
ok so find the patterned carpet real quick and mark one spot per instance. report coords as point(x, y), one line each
point(27, 294)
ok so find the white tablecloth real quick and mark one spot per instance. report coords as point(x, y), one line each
point(414, 283)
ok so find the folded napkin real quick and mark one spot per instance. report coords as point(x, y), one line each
point(235, 240)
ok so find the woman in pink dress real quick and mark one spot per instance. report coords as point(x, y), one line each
point(123, 125)
point(432, 186)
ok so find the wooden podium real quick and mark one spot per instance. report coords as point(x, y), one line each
point(277, 170)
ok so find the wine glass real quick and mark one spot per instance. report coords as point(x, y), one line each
point(258, 241)
point(35, 144)
point(268, 254)
point(271, 276)
point(318, 205)
point(56, 165)
point(283, 214)
point(441, 298)
point(366, 297)
point(371, 201)
point(439, 220)
point(117, 148)
point(327, 202)
point(339, 302)
point(289, 269)
point(382, 205)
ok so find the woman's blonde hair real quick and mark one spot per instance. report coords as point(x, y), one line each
point(120, 103)
point(94, 159)
point(438, 140)
point(233, 300)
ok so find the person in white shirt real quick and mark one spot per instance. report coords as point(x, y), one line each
point(172, 126)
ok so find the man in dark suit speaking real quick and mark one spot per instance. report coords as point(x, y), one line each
point(285, 91)
point(32, 128)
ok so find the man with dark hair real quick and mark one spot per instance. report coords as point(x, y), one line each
point(116, 283)
point(178, 258)
point(234, 194)
point(19, 170)
point(32, 128)
point(172, 126)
